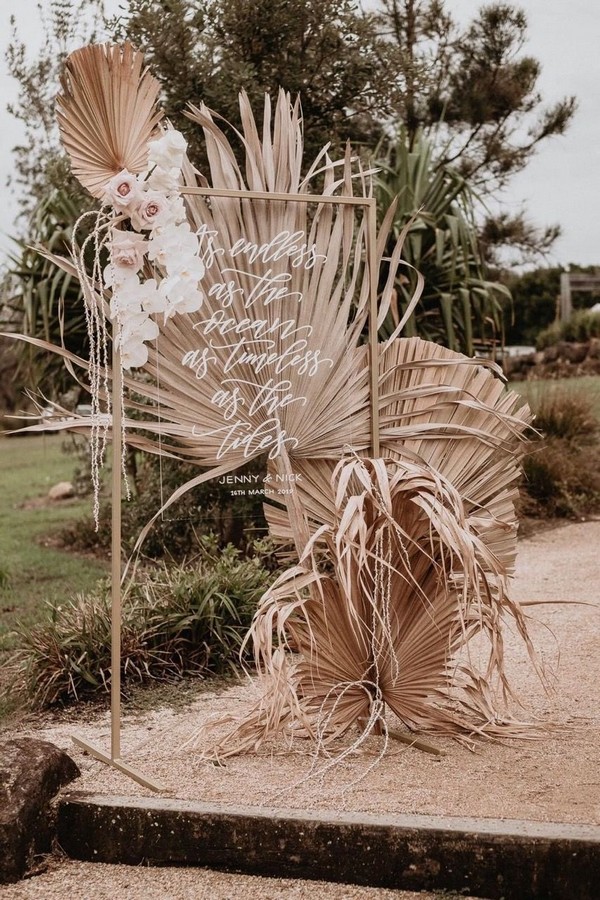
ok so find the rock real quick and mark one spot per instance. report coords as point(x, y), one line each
point(575, 353)
point(61, 491)
point(31, 774)
point(518, 362)
point(551, 353)
point(594, 349)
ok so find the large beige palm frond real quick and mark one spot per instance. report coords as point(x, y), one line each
point(107, 113)
point(387, 626)
point(319, 313)
point(451, 413)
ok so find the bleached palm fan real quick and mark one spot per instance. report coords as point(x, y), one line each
point(418, 549)
point(107, 112)
point(402, 559)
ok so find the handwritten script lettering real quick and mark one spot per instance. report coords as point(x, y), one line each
point(241, 436)
point(276, 349)
point(283, 245)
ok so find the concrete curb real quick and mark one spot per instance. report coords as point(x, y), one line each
point(484, 857)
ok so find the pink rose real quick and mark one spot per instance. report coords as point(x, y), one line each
point(122, 190)
point(151, 211)
point(127, 250)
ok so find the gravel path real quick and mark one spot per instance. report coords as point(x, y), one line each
point(71, 880)
point(554, 778)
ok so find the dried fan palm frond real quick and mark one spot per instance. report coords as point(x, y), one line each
point(318, 310)
point(452, 436)
point(441, 409)
point(107, 113)
point(409, 583)
point(303, 322)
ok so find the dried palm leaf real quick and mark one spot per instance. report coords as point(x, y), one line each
point(388, 622)
point(450, 417)
point(107, 113)
point(332, 409)
point(451, 413)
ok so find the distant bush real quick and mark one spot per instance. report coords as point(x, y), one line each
point(562, 469)
point(562, 413)
point(582, 326)
point(177, 620)
point(560, 481)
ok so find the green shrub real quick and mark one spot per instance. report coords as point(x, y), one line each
point(548, 336)
point(581, 326)
point(176, 620)
point(208, 509)
point(560, 480)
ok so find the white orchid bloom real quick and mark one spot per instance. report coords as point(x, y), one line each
point(168, 151)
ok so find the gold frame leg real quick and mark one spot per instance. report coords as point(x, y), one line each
point(118, 763)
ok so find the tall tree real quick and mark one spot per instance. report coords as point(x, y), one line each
point(474, 86)
point(407, 70)
point(323, 50)
point(475, 91)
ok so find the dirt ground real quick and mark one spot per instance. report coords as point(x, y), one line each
point(552, 777)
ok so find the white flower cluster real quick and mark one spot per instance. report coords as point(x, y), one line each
point(162, 235)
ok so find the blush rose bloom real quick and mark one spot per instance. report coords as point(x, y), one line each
point(122, 190)
point(127, 250)
point(154, 209)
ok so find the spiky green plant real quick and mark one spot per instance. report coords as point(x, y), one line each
point(459, 306)
point(177, 620)
point(46, 300)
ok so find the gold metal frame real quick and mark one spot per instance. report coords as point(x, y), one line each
point(369, 204)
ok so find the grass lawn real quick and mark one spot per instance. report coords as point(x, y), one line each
point(35, 572)
point(588, 385)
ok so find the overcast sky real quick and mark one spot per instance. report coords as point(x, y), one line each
point(561, 185)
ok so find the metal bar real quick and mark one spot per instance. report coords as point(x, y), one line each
point(267, 195)
point(115, 648)
point(121, 766)
point(373, 341)
point(114, 759)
